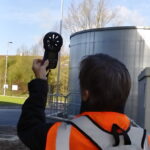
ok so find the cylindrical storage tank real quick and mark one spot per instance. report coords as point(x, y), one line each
point(131, 45)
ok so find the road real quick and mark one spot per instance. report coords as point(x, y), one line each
point(9, 117)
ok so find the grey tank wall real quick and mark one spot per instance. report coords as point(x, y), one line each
point(128, 44)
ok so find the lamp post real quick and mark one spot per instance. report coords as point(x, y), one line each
point(6, 64)
point(59, 55)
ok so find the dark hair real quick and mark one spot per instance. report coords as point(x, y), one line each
point(108, 82)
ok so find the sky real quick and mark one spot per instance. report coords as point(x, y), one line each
point(24, 22)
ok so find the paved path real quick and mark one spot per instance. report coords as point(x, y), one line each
point(8, 121)
point(9, 117)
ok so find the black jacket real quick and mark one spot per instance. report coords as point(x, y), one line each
point(32, 127)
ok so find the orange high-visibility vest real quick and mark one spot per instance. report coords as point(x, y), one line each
point(78, 141)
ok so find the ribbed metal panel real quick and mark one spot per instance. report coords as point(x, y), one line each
point(131, 45)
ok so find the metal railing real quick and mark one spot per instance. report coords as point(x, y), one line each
point(57, 105)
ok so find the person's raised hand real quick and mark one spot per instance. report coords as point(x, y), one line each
point(39, 69)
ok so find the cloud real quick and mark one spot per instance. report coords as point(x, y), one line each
point(43, 18)
point(130, 17)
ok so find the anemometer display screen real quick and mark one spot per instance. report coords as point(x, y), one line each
point(51, 55)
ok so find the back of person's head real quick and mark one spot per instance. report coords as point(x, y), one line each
point(107, 81)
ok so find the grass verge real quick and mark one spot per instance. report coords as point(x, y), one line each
point(10, 100)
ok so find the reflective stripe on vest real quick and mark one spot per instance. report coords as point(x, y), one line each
point(63, 137)
point(100, 137)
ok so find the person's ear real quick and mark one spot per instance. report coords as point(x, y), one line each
point(85, 95)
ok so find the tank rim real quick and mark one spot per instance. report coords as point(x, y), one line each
point(109, 28)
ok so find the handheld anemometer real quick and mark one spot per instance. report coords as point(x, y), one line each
point(52, 44)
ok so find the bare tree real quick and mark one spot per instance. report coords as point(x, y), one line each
point(88, 14)
point(23, 51)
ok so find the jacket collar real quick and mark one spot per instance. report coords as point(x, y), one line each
point(106, 119)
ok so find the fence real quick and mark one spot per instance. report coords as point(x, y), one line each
point(57, 105)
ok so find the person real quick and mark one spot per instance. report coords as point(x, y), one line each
point(105, 85)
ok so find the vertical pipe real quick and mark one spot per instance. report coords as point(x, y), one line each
point(59, 55)
point(61, 19)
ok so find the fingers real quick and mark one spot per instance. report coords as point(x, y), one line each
point(36, 61)
point(39, 61)
point(45, 63)
point(36, 64)
point(39, 69)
